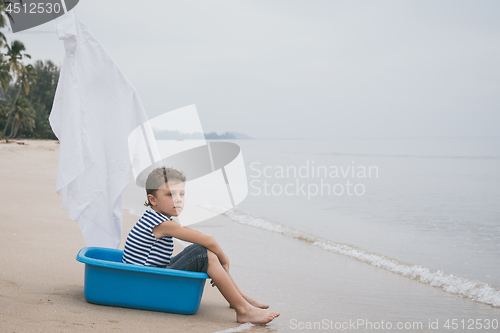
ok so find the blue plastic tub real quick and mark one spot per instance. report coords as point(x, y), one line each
point(108, 281)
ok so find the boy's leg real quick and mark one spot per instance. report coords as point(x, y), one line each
point(248, 298)
point(245, 296)
point(192, 258)
point(195, 258)
point(245, 312)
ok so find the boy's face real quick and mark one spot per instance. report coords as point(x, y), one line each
point(169, 199)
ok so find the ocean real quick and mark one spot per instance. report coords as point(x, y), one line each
point(349, 235)
point(428, 202)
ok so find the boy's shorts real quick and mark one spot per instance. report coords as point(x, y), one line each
point(193, 258)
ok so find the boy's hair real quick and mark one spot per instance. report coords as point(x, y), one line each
point(160, 176)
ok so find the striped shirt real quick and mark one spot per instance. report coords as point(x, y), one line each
point(141, 246)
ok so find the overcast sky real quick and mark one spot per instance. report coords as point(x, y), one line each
point(308, 68)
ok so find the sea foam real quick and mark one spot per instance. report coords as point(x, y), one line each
point(240, 328)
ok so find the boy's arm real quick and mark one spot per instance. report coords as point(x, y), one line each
point(174, 229)
point(193, 230)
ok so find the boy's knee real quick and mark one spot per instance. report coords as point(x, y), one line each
point(211, 255)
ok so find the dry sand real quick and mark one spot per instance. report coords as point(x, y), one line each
point(41, 283)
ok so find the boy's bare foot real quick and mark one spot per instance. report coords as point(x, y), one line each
point(256, 316)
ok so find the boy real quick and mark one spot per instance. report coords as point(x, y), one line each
point(150, 243)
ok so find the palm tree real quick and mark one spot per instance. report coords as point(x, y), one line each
point(25, 74)
point(27, 77)
point(5, 76)
point(3, 15)
point(41, 97)
point(2, 22)
point(23, 117)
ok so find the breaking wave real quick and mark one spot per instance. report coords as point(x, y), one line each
point(475, 290)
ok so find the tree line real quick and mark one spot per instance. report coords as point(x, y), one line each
point(26, 91)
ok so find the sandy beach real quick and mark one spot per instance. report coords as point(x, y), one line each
point(41, 283)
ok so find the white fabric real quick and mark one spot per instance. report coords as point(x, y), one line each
point(95, 109)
